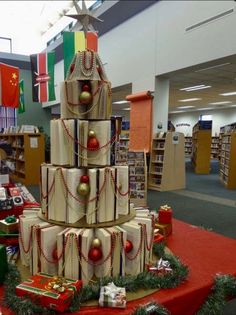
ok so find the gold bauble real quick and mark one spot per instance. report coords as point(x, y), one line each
point(91, 133)
point(96, 243)
point(85, 97)
point(83, 189)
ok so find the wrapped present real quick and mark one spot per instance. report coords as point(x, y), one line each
point(112, 296)
point(3, 263)
point(165, 215)
point(9, 224)
point(49, 291)
point(160, 267)
point(164, 229)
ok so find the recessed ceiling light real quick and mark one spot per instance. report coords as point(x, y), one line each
point(120, 102)
point(185, 107)
point(212, 67)
point(233, 105)
point(228, 93)
point(189, 99)
point(192, 87)
point(199, 88)
point(220, 103)
point(128, 108)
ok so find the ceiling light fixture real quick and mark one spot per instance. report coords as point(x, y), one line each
point(213, 67)
point(205, 108)
point(220, 103)
point(120, 102)
point(190, 99)
point(128, 108)
point(199, 88)
point(185, 107)
point(192, 87)
point(228, 94)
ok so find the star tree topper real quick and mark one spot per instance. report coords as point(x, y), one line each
point(84, 16)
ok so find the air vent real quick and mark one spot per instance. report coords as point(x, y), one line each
point(211, 19)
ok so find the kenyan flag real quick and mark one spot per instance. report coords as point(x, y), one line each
point(42, 67)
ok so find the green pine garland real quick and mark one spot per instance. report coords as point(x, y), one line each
point(151, 308)
point(145, 280)
point(224, 287)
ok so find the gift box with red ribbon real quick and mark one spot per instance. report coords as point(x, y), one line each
point(9, 224)
point(165, 215)
point(49, 291)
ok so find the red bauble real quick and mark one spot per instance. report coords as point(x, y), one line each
point(72, 67)
point(93, 143)
point(128, 246)
point(95, 254)
point(54, 254)
point(86, 87)
point(84, 179)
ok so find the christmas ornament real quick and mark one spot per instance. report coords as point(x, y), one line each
point(54, 254)
point(93, 143)
point(91, 133)
point(10, 219)
point(96, 243)
point(128, 246)
point(86, 88)
point(83, 189)
point(84, 179)
point(85, 97)
point(72, 67)
point(95, 254)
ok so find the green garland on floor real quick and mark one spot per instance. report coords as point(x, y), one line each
point(145, 280)
point(224, 287)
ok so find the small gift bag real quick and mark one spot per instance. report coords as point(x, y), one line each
point(112, 296)
point(165, 215)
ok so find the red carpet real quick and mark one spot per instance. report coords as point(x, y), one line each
point(205, 253)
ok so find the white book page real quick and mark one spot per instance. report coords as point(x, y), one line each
point(122, 202)
point(102, 131)
point(104, 269)
point(133, 267)
point(101, 214)
point(60, 239)
point(87, 269)
point(25, 224)
point(48, 245)
point(54, 142)
point(60, 196)
point(75, 209)
point(110, 196)
point(51, 194)
point(123, 234)
point(92, 205)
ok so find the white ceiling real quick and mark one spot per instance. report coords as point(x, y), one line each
point(26, 22)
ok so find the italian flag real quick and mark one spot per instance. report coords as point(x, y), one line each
point(77, 41)
point(42, 67)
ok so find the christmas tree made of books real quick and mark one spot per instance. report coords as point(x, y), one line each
point(86, 227)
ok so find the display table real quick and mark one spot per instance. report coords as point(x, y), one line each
point(206, 255)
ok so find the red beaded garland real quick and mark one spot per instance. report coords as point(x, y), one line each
point(95, 254)
point(72, 67)
point(84, 179)
point(54, 254)
point(128, 246)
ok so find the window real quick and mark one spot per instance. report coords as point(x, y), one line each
point(7, 117)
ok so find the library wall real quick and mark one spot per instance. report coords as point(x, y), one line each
point(184, 122)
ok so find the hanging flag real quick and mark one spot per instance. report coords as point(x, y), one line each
point(77, 41)
point(9, 86)
point(42, 67)
point(21, 108)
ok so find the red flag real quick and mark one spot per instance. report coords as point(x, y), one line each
point(9, 86)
